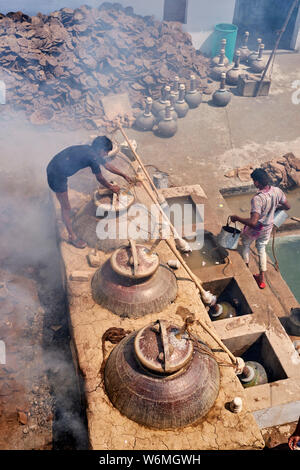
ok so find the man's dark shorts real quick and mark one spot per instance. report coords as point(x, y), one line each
point(58, 183)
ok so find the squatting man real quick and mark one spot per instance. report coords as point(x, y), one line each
point(73, 159)
point(259, 226)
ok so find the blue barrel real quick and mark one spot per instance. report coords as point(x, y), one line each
point(225, 31)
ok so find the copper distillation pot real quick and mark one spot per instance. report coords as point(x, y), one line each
point(160, 378)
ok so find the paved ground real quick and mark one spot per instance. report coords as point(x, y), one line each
point(212, 140)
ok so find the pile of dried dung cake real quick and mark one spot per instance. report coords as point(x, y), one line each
point(57, 67)
point(283, 172)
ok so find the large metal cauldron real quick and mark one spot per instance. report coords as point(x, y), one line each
point(133, 283)
point(112, 215)
point(162, 379)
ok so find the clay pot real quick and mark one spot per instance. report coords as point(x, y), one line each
point(218, 69)
point(162, 113)
point(216, 59)
point(158, 106)
point(145, 121)
point(181, 106)
point(258, 65)
point(193, 97)
point(167, 127)
point(222, 96)
point(245, 52)
point(160, 378)
point(255, 54)
point(232, 76)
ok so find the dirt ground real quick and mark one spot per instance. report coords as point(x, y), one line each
point(40, 399)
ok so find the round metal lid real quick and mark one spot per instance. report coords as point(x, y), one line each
point(163, 348)
point(134, 261)
point(111, 202)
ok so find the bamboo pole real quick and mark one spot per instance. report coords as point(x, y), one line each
point(158, 196)
point(206, 296)
point(175, 251)
point(140, 162)
point(198, 285)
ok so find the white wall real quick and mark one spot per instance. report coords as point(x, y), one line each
point(203, 15)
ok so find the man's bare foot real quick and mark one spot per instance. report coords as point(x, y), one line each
point(77, 242)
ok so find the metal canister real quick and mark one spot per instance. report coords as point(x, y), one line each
point(160, 180)
point(280, 216)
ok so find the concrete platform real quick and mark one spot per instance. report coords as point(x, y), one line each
point(277, 402)
point(108, 429)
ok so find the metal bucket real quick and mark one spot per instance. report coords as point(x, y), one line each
point(229, 236)
point(280, 217)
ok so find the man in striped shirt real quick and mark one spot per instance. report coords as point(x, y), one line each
point(259, 226)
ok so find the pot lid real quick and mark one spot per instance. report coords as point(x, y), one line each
point(163, 348)
point(108, 201)
point(134, 261)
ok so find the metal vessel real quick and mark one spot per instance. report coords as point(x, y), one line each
point(222, 310)
point(193, 97)
point(222, 96)
point(253, 374)
point(162, 379)
point(133, 283)
point(108, 214)
point(232, 76)
point(146, 120)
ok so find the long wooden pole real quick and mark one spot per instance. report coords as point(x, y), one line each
point(204, 293)
point(158, 196)
point(198, 285)
point(140, 162)
point(175, 251)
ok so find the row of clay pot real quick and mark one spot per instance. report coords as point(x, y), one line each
point(254, 59)
point(162, 115)
point(173, 104)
